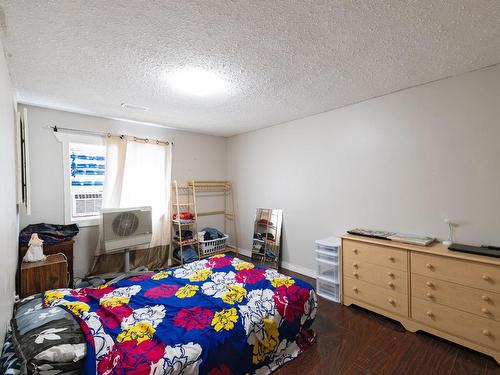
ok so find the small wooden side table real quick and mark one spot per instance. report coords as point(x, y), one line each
point(37, 277)
point(65, 247)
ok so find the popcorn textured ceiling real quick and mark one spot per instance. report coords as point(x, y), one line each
point(282, 60)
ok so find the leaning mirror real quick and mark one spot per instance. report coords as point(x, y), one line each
point(266, 247)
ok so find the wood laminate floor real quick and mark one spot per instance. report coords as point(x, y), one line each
point(351, 340)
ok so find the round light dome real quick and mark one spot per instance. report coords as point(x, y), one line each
point(197, 82)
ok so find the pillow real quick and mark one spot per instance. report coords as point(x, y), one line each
point(47, 340)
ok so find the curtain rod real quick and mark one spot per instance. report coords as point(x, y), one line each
point(56, 128)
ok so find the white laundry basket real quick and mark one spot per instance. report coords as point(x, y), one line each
point(213, 246)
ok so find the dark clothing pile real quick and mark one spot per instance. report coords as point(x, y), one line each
point(261, 240)
point(270, 256)
point(185, 233)
point(188, 254)
point(263, 236)
point(211, 234)
point(49, 233)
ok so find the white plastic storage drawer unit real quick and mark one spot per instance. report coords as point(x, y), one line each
point(327, 256)
point(330, 291)
point(327, 268)
point(327, 271)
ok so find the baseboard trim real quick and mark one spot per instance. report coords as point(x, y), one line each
point(287, 265)
point(299, 269)
point(247, 253)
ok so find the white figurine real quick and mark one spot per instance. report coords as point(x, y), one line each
point(35, 250)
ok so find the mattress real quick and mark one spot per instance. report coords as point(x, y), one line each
point(220, 315)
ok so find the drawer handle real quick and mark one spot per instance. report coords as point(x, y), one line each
point(391, 284)
point(429, 295)
point(486, 278)
point(390, 274)
point(391, 301)
point(355, 274)
point(355, 265)
point(485, 298)
point(429, 266)
point(429, 284)
point(430, 314)
point(355, 289)
point(486, 332)
point(355, 251)
point(391, 258)
point(484, 310)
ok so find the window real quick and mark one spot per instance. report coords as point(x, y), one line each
point(87, 166)
point(84, 165)
point(22, 161)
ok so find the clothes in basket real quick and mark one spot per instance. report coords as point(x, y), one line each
point(208, 234)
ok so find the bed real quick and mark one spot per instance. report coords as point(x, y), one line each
point(220, 315)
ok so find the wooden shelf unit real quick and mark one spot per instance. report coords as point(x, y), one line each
point(179, 192)
point(200, 189)
point(193, 191)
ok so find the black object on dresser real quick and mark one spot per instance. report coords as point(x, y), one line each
point(491, 251)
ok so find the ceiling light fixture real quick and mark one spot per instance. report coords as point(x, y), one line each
point(197, 82)
point(134, 107)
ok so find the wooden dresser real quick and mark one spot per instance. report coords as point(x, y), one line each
point(449, 294)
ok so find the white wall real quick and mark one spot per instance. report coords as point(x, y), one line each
point(8, 210)
point(402, 162)
point(195, 156)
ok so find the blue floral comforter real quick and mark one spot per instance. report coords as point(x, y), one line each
point(219, 315)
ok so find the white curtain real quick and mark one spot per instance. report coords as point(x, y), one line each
point(139, 174)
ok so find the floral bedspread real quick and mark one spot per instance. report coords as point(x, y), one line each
point(219, 315)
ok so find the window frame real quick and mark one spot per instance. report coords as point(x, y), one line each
point(66, 139)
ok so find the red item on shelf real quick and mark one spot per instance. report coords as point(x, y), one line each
point(184, 216)
point(265, 222)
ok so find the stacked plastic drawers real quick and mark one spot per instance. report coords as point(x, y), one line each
point(327, 272)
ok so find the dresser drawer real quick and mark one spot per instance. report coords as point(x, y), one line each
point(468, 326)
point(476, 301)
point(396, 303)
point(354, 251)
point(387, 278)
point(468, 273)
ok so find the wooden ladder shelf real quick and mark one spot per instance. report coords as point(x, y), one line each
point(197, 190)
